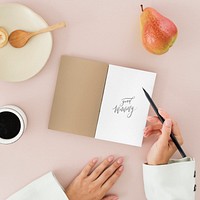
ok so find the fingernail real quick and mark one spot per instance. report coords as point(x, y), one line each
point(160, 110)
point(150, 118)
point(168, 123)
point(145, 129)
point(95, 160)
point(145, 134)
point(110, 158)
point(120, 160)
point(121, 168)
point(115, 198)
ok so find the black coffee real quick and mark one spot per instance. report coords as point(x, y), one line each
point(9, 125)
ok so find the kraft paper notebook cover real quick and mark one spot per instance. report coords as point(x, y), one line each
point(78, 95)
point(100, 100)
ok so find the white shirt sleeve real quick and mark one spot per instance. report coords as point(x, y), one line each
point(174, 181)
point(44, 188)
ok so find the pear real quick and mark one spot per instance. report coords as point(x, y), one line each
point(158, 32)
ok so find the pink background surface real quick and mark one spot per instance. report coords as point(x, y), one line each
point(105, 30)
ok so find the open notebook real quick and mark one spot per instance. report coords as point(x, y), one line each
point(100, 100)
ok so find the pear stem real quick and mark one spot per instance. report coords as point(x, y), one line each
point(142, 7)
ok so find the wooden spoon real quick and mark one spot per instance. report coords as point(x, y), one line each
point(3, 37)
point(19, 38)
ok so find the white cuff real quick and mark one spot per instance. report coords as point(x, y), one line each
point(43, 188)
point(175, 180)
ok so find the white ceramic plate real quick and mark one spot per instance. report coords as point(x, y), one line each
point(19, 64)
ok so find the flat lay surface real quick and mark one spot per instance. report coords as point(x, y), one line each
point(106, 31)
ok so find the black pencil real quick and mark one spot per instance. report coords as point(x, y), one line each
point(162, 120)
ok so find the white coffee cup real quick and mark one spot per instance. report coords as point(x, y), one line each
point(13, 123)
